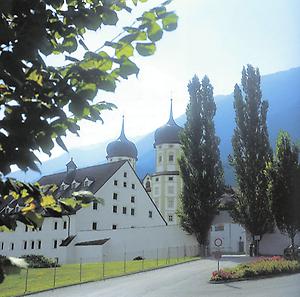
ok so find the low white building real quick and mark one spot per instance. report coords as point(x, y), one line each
point(129, 222)
point(227, 236)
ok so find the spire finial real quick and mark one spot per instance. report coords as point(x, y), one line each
point(122, 135)
point(171, 119)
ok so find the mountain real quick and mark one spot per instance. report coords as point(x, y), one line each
point(281, 89)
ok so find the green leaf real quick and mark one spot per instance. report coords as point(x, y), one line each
point(83, 196)
point(107, 84)
point(169, 21)
point(128, 68)
point(126, 50)
point(140, 35)
point(61, 143)
point(100, 61)
point(146, 49)
point(70, 44)
point(149, 16)
point(35, 76)
point(83, 44)
point(113, 44)
point(154, 32)
point(34, 219)
point(110, 17)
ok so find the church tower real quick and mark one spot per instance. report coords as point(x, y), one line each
point(122, 149)
point(166, 182)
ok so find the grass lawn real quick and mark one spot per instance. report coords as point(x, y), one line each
point(43, 278)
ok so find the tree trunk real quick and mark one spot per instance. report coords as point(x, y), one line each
point(293, 246)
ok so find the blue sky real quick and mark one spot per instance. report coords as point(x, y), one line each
point(214, 37)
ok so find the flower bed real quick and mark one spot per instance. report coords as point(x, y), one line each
point(259, 267)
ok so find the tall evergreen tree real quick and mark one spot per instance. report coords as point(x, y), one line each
point(251, 153)
point(200, 164)
point(284, 186)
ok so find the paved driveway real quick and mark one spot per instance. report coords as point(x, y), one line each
point(185, 280)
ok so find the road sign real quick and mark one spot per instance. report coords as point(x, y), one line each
point(217, 255)
point(218, 242)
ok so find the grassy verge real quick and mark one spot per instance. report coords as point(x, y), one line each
point(39, 279)
point(263, 266)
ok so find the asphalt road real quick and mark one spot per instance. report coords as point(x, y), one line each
point(185, 280)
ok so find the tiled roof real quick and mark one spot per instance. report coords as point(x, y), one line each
point(67, 240)
point(92, 242)
point(99, 174)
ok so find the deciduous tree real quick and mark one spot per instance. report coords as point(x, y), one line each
point(251, 153)
point(40, 103)
point(284, 186)
point(200, 164)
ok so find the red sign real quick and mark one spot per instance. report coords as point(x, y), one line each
point(217, 255)
point(218, 242)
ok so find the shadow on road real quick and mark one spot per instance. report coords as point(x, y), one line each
point(232, 286)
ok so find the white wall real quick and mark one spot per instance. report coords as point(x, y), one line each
point(275, 243)
point(104, 215)
point(146, 242)
point(47, 236)
point(231, 235)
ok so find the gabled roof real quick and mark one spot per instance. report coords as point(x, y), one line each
point(92, 242)
point(67, 240)
point(99, 174)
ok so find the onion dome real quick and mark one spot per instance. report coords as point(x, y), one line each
point(121, 147)
point(169, 133)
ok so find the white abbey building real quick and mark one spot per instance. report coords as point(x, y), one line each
point(164, 186)
point(128, 221)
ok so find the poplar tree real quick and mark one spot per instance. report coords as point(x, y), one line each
point(200, 164)
point(251, 153)
point(284, 186)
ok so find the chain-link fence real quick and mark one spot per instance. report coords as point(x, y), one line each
point(93, 269)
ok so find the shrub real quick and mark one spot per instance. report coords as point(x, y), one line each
point(260, 266)
point(39, 261)
point(138, 258)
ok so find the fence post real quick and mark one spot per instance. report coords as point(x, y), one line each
point(103, 266)
point(80, 270)
point(26, 280)
point(168, 255)
point(143, 260)
point(157, 257)
point(125, 261)
point(54, 275)
point(184, 252)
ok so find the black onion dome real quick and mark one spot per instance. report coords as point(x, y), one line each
point(121, 147)
point(169, 133)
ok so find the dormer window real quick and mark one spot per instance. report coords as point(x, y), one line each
point(71, 166)
point(87, 182)
point(73, 185)
point(17, 208)
point(63, 186)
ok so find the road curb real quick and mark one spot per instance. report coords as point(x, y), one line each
point(253, 278)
